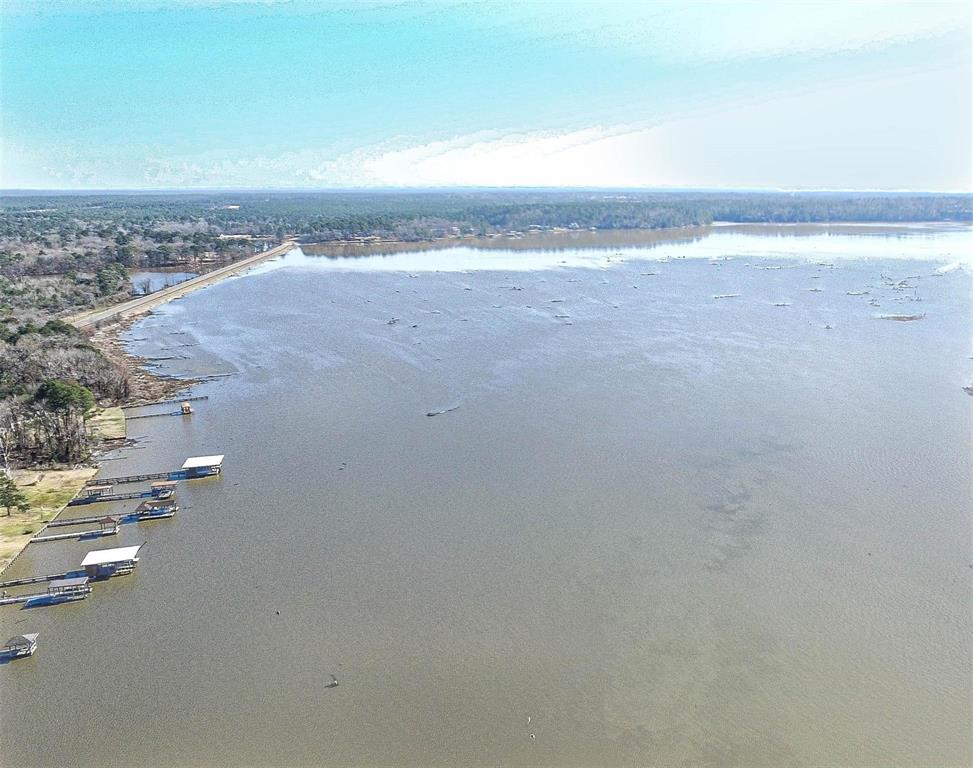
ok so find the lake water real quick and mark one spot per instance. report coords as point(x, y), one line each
point(647, 526)
point(145, 282)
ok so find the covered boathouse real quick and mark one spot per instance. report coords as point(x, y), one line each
point(163, 489)
point(19, 646)
point(103, 563)
point(74, 588)
point(202, 466)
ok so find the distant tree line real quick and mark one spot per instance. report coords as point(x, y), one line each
point(63, 253)
point(188, 219)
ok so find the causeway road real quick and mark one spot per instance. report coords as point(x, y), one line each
point(142, 304)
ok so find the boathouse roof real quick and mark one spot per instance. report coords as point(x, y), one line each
point(108, 556)
point(203, 461)
point(75, 581)
point(21, 640)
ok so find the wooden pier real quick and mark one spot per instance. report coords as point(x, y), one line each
point(155, 415)
point(193, 468)
point(76, 521)
point(97, 565)
point(166, 402)
point(97, 498)
point(20, 598)
point(93, 533)
point(38, 579)
point(94, 494)
point(146, 510)
point(129, 479)
point(60, 589)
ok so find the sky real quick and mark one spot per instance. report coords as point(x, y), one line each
point(103, 94)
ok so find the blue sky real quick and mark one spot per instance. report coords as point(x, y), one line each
point(188, 93)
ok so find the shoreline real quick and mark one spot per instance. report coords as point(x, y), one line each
point(147, 385)
point(106, 325)
point(93, 318)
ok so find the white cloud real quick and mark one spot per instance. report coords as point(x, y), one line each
point(715, 30)
point(900, 131)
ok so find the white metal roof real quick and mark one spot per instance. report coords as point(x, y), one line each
point(105, 556)
point(203, 461)
point(76, 581)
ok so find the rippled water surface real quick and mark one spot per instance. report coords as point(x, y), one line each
point(687, 503)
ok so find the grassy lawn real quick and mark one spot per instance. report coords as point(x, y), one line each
point(107, 424)
point(48, 492)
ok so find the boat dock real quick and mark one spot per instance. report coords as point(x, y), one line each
point(104, 491)
point(109, 527)
point(157, 415)
point(149, 511)
point(97, 565)
point(192, 469)
point(106, 481)
point(76, 521)
point(105, 563)
point(62, 590)
point(166, 402)
point(19, 646)
point(38, 579)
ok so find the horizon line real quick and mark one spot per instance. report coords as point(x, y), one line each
point(477, 188)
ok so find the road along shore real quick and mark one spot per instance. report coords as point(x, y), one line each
point(94, 317)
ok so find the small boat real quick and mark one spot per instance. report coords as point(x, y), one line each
point(19, 647)
point(333, 683)
point(149, 511)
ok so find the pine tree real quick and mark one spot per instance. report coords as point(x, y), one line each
point(11, 496)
